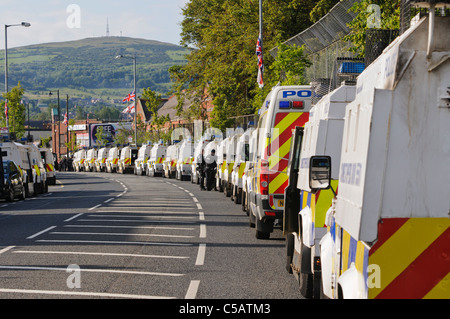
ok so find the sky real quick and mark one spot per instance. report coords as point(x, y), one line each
point(59, 20)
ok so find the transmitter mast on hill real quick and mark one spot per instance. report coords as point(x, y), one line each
point(107, 27)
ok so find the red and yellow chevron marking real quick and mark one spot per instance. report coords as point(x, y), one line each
point(159, 160)
point(414, 258)
point(115, 160)
point(49, 167)
point(241, 170)
point(127, 161)
point(38, 171)
point(188, 160)
point(92, 161)
point(223, 166)
point(103, 160)
point(280, 146)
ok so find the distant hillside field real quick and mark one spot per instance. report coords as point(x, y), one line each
point(89, 65)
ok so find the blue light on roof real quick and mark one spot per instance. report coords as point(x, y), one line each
point(285, 104)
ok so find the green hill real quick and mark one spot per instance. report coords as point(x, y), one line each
point(88, 67)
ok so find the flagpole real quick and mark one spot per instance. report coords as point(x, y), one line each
point(261, 30)
point(67, 126)
point(135, 103)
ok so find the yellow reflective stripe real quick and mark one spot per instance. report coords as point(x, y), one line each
point(38, 171)
point(441, 290)
point(241, 170)
point(403, 247)
point(279, 154)
point(277, 182)
point(359, 258)
point(324, 203)
point(345, 250)
point(224, 164)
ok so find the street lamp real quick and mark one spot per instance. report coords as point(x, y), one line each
point(23, 24)
point(57, 140)
point(135, 92)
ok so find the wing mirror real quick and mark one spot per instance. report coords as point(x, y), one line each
point(319, 173)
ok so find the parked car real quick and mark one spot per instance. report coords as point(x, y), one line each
point(12, 182)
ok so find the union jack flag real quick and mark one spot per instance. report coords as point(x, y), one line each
point(6, 109)
point(66, 120)
point(130, 97)
point(129, 109)
point(259, 53)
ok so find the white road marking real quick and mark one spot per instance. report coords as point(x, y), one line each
point(41, 232)
point(80, 293)
point(4, 250)
point(73, 217)
point(145, 210)
point(202, 231)
point(95, 254)
point(192, 290)
point(119, 234)
point(112, 242)
point(136, 221)
point(113, 271)
point(201, 255)
point(131, 227)
point(108, 200)
point(159, 200)
point(199, 206)
point(201, 216)
point(143, 216)
point(95, 207)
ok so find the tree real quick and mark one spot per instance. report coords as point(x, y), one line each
point(153, 101)
point(108, 113)
point(367, 11)
point(122, 135)
point(321, 9)
point(16, 111)
point(101, 137)
point(224, 63)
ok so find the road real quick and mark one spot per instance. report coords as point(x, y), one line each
point(99, 235)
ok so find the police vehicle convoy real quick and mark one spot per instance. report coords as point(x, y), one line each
point(357, 182)
point(305, 209)
point(24, 171)
point(285, 108)
point(140, 163)
point(389, 228)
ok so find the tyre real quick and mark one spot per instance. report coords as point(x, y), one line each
point(11, 195)
point(261, 232)
point(22, 195)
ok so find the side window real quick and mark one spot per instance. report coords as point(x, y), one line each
point(262, 139)
point(247, 152)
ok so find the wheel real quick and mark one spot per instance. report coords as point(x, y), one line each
point(22, 195)
point(289, 252)
point(251, 219)
point(244, 202)
point(261, 234)
point(11, 195)
point(238, 196)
